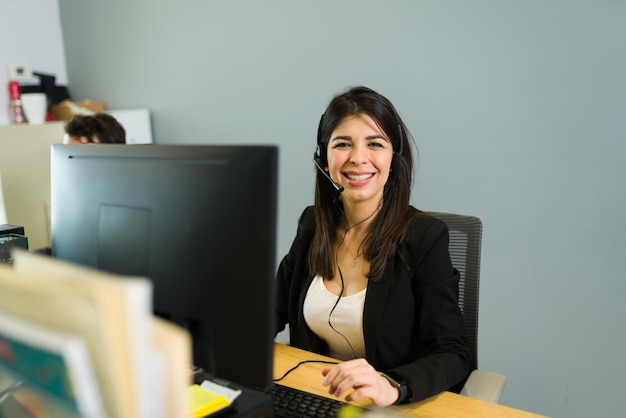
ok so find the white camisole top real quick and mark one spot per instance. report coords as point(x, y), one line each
point(346, 340)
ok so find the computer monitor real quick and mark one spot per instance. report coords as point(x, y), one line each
point(198, 220)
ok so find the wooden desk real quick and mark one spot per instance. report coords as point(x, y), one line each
point(308, 377)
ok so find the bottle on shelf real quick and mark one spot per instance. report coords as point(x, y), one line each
point(16, 112)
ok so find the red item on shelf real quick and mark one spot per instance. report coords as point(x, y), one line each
point(14, 90)
point(16, 113)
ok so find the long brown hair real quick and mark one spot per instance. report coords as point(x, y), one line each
point(390, 224)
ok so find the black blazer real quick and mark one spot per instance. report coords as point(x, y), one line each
point(411, 319)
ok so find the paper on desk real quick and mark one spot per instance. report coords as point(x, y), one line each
point(206, 402)
point(230, 394)
point(113, 314)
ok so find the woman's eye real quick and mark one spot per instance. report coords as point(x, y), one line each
point(342, 145)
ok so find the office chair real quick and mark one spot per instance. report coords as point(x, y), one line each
point(465, 250)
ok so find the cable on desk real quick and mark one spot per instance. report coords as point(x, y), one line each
point(300, 364)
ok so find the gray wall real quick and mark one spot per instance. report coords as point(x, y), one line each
point(22, 44)
point(518, 109)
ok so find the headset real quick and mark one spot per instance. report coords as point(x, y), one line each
point(316, 160)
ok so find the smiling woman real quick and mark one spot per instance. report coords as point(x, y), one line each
point(368, 279)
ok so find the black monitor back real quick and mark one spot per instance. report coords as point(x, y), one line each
point(198, 220)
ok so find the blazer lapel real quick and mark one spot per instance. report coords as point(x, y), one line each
point(375, 299)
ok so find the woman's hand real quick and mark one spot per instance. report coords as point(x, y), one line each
point(363, 378)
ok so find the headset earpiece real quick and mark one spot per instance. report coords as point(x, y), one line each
point(321, 159)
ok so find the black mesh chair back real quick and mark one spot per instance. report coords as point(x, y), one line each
point(465, 246)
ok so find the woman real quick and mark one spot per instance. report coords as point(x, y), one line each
point(368, 278)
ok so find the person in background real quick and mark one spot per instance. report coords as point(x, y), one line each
point(368, 279)
point(99, 128)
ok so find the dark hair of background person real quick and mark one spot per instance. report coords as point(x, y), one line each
point(101, 125)
point(389, 227)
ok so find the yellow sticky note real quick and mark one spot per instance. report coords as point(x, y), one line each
point(205, 402)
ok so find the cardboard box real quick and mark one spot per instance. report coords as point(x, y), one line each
point(66, 109)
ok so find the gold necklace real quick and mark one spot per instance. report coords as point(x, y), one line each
point(349, 227)
point(354, 257)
